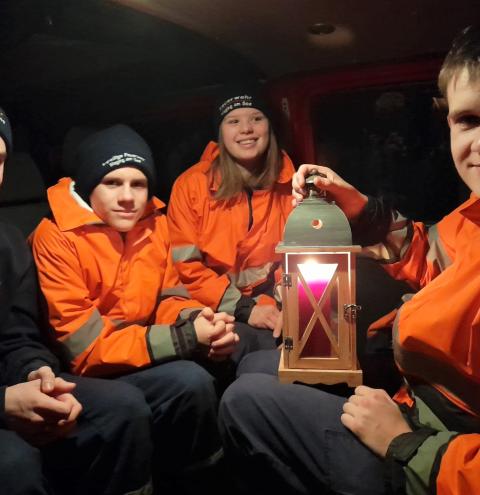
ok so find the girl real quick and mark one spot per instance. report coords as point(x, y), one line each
point(226, 215)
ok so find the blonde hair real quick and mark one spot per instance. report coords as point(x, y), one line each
point(234, 181)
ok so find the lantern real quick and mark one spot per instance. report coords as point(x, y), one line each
point(318, 294)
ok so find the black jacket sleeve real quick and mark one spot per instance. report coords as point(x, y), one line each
point(244, 308)
point(21, 346)
point(373, 224)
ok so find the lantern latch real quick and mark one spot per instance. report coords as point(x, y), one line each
point(350, 312)
point(288, 343)
point(286, 280)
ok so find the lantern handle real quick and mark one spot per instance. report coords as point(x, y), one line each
point(313, 192)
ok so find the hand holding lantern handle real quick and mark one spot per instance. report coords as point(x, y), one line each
point(347, 197)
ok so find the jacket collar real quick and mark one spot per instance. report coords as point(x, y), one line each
point(471, 208)
point(212, 151)
point(70, 211)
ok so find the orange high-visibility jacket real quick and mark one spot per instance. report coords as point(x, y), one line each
point(220, 259)
point(437, 346)
point(110, 301)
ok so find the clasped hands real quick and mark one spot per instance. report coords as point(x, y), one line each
point(216, 330)
point(42, 409)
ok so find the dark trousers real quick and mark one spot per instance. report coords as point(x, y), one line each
point(263, 361)
point(108, 453)
point(183, 402)
point(251, 339)
point(289, 439)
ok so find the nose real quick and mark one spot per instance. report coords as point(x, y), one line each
point(476, 141)
point(246, 126)
point(125, 194)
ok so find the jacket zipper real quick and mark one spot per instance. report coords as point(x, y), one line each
point(250, 210)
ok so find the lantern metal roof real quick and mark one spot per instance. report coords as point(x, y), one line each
point(316, 222)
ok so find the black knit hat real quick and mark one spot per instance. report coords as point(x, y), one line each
point(246, 95)
point(115, 147)
point(6, 131)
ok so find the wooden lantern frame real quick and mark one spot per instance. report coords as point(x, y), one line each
point(341, 365)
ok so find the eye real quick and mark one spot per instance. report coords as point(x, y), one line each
point(111, 182)
point(468, 121)
point(259, 118)
point(231, 121)
point(140, 184)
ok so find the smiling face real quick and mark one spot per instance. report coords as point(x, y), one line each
point(245, 133)
point(121, 198)
point(464, 120)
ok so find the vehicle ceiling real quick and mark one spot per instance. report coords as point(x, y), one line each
point(274, 34)
point(73, 60)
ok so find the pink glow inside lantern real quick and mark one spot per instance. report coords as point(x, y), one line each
point(318, 277)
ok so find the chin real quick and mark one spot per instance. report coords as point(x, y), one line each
point(123, 228)
point(250, 162)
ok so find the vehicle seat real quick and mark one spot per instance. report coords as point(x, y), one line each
point(377, 294)
point(23, 200)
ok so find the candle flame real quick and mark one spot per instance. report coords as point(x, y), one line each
point(317, 272)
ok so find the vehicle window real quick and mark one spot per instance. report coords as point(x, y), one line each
point(391, 141)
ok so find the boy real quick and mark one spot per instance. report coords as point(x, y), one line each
point(300, 438)
point(115, 302)
point(48, 443)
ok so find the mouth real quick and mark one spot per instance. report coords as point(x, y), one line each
point(125, 213)
point(247, 142)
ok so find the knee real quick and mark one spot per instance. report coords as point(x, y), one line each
point(20, 465)
point(127, 400)
point(264, 361)
point(245, 396)
point(18, 455)
point(113, 403)
point(195, 383)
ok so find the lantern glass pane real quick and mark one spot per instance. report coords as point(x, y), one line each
point(318, 309)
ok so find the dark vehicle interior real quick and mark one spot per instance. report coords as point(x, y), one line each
point(353, 85)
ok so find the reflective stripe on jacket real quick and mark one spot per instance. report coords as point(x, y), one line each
point(218, 257)
point(110, 301)
point(437, 344)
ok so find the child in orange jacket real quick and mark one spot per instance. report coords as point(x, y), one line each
point(115, 303)
point(227, 213)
